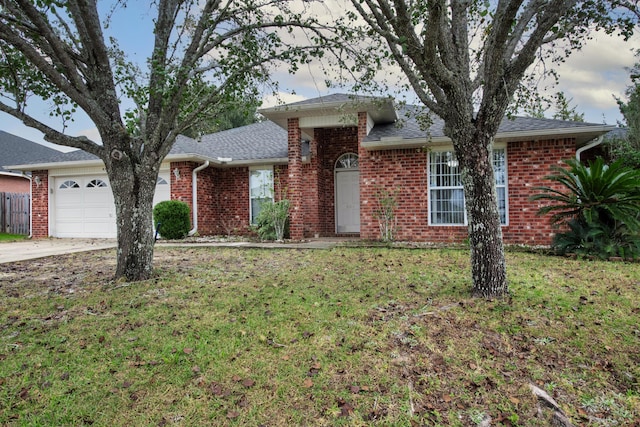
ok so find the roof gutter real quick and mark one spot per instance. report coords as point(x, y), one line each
point(194, 195)
point(589, 146)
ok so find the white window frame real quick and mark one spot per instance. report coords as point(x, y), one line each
point(266, 191)
point(453, 164)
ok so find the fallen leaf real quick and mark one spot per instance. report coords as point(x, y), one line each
point(446, 398)
point(24, 393)
point(346, 409)
point(188, 350)
point(285, 357)
point(307, 383)
point(236, 379)
point(514, 400)
point(248, 382)
point(195, 369)
point(354, 389)
point(232, 414)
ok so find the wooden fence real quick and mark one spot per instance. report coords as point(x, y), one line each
point(14, 213)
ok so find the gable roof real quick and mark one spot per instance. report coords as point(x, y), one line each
point(407, 131)
point(16, 150)
point(390, 127)
point(254, 142)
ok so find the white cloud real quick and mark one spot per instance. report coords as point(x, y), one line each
point(591, 77)
point(281, 98)
point(92, 134)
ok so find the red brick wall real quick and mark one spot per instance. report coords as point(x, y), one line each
point(295, 182)
point(181, 185)
point(232, 201)
point(528, 163)
point(40, 204)
point(14, 184)
point(331, 144)
point(406, 170)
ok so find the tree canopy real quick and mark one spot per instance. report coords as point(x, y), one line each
point(626, 145)
point(469, 62)
point(203, 57)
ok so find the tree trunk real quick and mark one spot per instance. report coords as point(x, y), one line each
point(488, 266)
point(133, 192)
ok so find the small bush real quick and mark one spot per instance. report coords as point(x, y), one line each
point(272, 223)
point(174, 218)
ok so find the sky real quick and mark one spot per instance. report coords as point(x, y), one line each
point(590, 78)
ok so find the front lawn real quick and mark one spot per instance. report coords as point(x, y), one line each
point(5, 237)
point(349, 336)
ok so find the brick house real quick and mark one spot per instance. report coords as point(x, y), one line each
point(333, 157)
point(13, 150)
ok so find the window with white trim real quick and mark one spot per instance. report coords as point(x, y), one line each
point(446, 195)
point(260, 189)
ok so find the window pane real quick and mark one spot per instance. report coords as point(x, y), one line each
point(446, 193)
point(261, 182)
point(499, 167)
point(260, 189)
point(502, 204)
point(447, 206)
point(255, 208)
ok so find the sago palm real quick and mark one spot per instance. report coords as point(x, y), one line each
point(595, 193)
point(599, 207)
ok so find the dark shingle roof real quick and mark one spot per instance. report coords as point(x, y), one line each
point(408, 127)
point(332, 98)
point(15, 150)
point(268, 141)
point(264, 140)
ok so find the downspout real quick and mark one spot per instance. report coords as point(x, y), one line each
point(589, 146)
point(30, 205)
point(194, 195)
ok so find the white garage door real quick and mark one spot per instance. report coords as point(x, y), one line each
point(84, 205)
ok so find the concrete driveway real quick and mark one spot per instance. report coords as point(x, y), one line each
point(39, 248)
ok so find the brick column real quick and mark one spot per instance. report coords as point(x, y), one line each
point(40, 204)
point(368, 227)
point(296, 221)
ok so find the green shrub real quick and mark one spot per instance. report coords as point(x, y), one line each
point(174, 218)
point(597, 239)
point(272, 223)
point(600, 206)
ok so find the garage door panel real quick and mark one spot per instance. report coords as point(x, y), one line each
point(84, 205)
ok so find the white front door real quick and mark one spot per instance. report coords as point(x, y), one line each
point(347, 201)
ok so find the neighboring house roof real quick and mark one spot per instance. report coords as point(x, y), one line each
point(390, 127)
point(16, 150)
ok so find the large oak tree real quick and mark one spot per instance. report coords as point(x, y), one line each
point(466, 60)
point(205, 55)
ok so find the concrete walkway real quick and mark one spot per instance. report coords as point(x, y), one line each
point(40, 248)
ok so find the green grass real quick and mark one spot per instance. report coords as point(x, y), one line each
point(348, 336)
point(5, 237)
